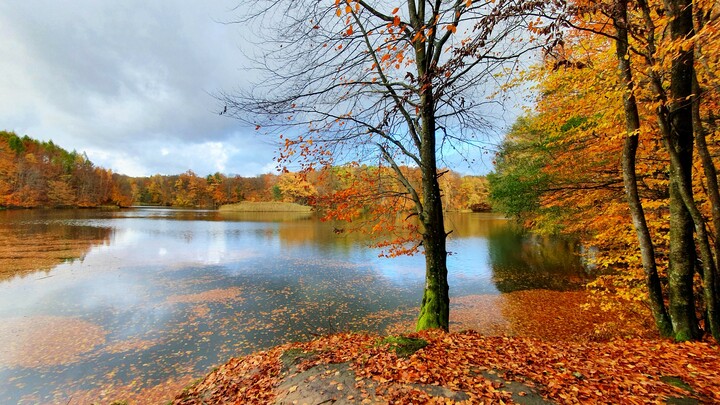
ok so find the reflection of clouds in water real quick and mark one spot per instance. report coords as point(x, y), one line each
point(229, 259)
point(401, 270)
point(217, 246)
point(164, 282)
point(127, 294)
point(106, 290)
point(178, 244)
point(471, 264)
point(126, 237)
point(471, 258)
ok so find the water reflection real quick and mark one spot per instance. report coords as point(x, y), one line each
point(171, 293)
point(36, 240)
point(522, 261)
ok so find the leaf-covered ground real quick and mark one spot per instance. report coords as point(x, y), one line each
point(466, 367)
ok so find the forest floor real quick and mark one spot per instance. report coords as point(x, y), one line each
point(466, 367)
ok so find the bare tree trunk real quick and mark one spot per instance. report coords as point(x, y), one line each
point(435, 307)
point(632, 120)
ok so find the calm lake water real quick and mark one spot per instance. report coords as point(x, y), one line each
point(156, 297)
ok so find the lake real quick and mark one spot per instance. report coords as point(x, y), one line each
point(136, 303)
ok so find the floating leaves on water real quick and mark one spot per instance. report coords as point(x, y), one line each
point(130, 345)
point(542, 314)
point(215, 295)
point(157, 394)
point(41, 341)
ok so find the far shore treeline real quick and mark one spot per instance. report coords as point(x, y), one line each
point(41, 174)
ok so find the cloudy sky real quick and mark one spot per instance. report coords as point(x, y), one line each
point(128, 82)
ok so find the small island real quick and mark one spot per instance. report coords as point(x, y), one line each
point(273, 206)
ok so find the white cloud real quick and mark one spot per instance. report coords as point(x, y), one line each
point(129, 83)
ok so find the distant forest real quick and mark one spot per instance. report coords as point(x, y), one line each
point(41, 174)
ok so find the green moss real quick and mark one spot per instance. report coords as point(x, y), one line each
point(402, 345)
point(683, 336)
point(430, 312)
point(294, 356)
point(427, 321)
point(192, 385)
point(676, 382)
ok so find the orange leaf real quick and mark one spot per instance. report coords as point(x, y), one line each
point(396, 21)
point(395, 10)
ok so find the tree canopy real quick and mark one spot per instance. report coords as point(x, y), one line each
point(624, 131)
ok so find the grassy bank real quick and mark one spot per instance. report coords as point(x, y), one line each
point(265, 207)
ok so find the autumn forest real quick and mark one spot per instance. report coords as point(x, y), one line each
point(41, 174)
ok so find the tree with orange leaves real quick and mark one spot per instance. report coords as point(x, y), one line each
point(383, 85)
point(651, 104)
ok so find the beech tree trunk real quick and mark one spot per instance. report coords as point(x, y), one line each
point(632, 121)
point(682, 243)
point(682, 267)
point(713, 191)
point(677, 128)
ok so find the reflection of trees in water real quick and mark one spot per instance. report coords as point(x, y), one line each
point(547, 315)
point(522, 261)
point(560, 316)
point(474, 225)
point(35, 244)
